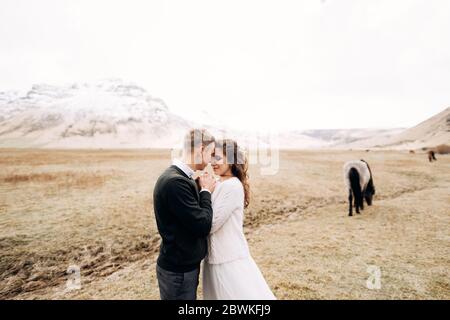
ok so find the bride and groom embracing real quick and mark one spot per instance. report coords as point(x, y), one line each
point(203, 220)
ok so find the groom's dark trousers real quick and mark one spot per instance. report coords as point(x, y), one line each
point(177, 285)
point(184, 218)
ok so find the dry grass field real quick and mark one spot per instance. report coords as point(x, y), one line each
point(93, 209)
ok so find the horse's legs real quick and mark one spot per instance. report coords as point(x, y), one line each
point(350, 200)
point(362, 200)
point(357, 204)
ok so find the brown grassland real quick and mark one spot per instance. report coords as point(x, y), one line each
point(93, 209)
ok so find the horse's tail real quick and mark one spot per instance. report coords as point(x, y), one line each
point(355, 184)
point(370, 185)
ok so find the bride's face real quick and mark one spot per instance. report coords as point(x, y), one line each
point(218, 162)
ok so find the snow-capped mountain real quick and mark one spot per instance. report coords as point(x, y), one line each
point(118, 114)
point(106, 114)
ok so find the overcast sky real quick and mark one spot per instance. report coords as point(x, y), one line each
point(283, 64)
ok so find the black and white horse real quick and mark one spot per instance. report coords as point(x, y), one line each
point(431, 156)
point(359, 181)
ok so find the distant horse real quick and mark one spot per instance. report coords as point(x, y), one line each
point(412, 152)
point(431, 156)
point(359, 181)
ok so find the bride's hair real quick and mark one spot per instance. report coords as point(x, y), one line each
point(238, 161)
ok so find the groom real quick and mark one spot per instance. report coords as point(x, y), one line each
point(184, 217)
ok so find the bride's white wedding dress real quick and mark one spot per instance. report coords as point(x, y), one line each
point(229, 271)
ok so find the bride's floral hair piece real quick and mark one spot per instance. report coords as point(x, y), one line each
point(236, 157)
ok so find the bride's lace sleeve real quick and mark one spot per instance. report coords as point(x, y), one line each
point(230, 200)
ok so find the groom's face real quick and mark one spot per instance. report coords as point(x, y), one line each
point(203, 156)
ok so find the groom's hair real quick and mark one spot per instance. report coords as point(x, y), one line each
point(197, 137)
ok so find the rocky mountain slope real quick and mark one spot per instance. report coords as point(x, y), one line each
point(118, 114)
point(428, 134)
point(107, 114)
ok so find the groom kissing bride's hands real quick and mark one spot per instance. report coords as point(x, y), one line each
point(206, 182)
point(184, 214)
point(203, 220)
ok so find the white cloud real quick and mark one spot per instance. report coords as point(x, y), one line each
point(299, 64)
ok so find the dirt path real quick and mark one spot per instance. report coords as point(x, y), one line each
point(320, 253)
point(302, 239)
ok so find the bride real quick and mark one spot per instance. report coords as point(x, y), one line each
point(229, 271)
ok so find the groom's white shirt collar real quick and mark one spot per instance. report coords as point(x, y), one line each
point(183, 167)
point(186, 169)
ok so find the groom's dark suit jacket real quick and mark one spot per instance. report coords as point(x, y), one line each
point(184, 219)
